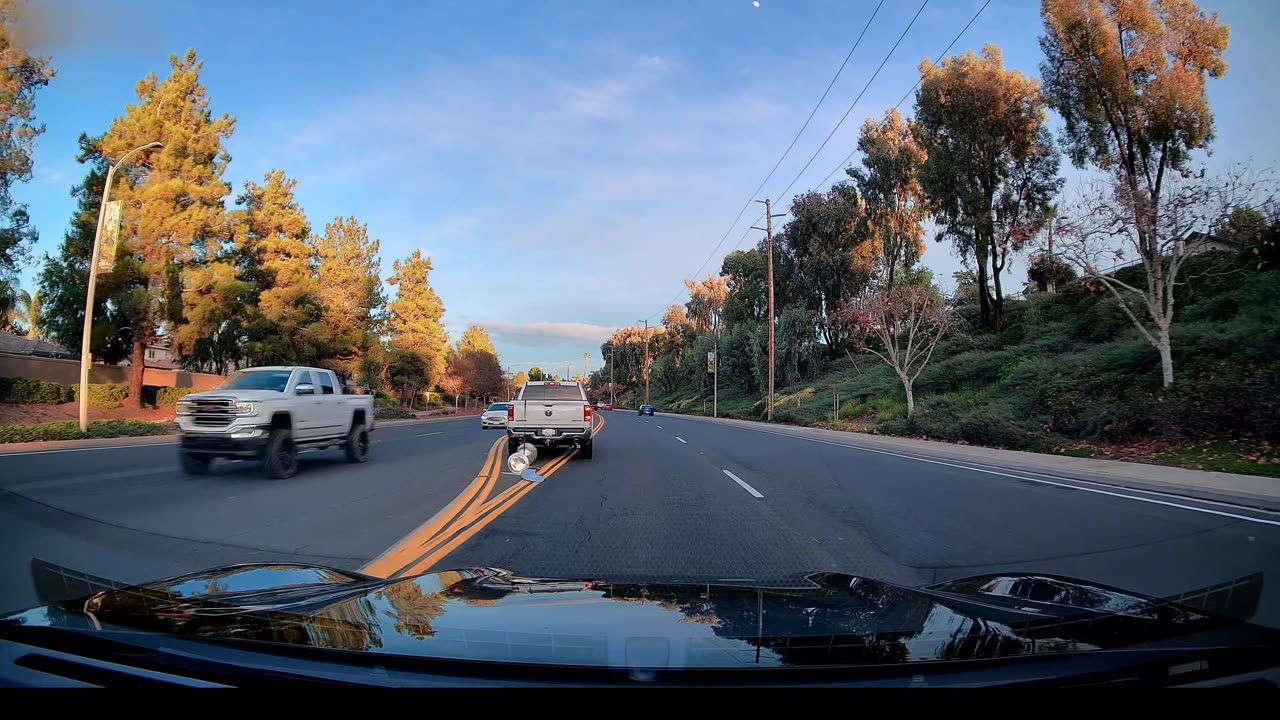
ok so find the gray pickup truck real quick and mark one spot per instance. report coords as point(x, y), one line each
point(549, 414)
point(269, 414)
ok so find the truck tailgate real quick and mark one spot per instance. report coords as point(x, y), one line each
point(548, 413)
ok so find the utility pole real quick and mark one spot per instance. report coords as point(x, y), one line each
point(566, 370)
point(611, 353)
point(768, 243)
point(646, 361)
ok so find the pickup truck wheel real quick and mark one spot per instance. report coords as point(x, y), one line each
point(280, 458)
point(357, 444)
point(193, 464)
point(585, 450)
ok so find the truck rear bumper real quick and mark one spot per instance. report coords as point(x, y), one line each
point(561, 436)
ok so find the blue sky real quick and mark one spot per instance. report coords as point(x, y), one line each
point(564, 163)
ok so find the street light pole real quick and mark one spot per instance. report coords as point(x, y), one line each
point(85, 357)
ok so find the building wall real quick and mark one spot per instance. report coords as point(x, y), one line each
point(67, 372)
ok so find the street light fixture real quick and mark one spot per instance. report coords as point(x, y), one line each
point(85, 357)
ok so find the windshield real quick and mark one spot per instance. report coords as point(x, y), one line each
point(551, 392)
point(976, 301)
point(257, 380)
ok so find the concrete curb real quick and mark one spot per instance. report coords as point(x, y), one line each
point(1253, 491)
point(142, 441)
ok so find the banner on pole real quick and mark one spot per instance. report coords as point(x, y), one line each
point(711, 362)
point(110, 237)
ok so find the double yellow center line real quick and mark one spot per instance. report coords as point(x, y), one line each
point(467, 514)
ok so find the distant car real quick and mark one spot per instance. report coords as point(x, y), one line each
point(645, 410)
point(494, 417)
point(608, 406)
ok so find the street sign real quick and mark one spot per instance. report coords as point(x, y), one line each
point(110, 237)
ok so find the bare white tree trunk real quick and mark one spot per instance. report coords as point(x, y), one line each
point(911, 400)
point(1166, 357)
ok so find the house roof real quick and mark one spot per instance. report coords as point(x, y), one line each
point(19, 345)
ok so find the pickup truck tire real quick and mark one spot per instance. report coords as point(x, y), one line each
point(280, 458)
point(193, 464)
point(586, 449)
point(357, 444)
point(513, 444)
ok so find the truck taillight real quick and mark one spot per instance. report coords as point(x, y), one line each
point(586, 413)
point(511, 412)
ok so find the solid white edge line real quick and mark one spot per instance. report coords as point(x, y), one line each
point(105, 447)
point(659, 427)
point(745, 486)
point(1153, 501)
point(681, 440)
point(441, 432)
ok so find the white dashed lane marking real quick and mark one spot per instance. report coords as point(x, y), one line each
point(745, 486)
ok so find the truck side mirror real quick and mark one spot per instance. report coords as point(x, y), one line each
point(305, 389)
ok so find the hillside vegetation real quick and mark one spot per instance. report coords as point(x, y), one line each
point(1068, 373)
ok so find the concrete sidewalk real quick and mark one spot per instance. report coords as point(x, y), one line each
point(135, 441)
point(1247, 490)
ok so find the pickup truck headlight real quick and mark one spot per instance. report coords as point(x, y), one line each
point(185, 408)
point(244, 408)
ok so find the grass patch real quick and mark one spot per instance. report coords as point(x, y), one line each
point(1224, 456)
point(70, 430)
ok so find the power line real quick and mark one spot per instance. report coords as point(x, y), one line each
point(845, 162)
point(787, 152)
point(942, 55)
point(854, 104)
point(859, 97)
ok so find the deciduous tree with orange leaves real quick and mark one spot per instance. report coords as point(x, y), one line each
point(1128, 78)
point(991, 168)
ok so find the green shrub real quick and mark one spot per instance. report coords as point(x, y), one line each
point(21, 391)
point(391, 412)
point(994, 424)
point(71, 430)
point(888, 405)
point(162, 396)
point(103, 396)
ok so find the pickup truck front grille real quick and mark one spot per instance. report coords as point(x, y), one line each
point(211, 412)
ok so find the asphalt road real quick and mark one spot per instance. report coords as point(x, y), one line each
point(664, 499)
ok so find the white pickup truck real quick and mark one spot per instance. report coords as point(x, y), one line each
point(269, 414)
point(550, 413)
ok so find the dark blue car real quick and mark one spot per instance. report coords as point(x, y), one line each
point(645, 410)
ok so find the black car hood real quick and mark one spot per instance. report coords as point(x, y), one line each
point(493, 614)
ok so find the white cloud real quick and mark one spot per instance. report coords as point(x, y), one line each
point(525, 332)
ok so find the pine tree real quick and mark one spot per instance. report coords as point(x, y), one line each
point(273, 239)
point(475, 339)
point(350, 292)
point(174, 218)
point(20, 76)
point(414, 321)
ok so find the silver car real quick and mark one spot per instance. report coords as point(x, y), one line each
point(495, 416)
